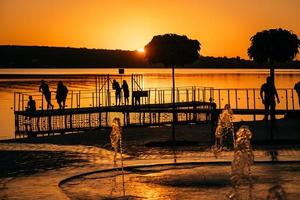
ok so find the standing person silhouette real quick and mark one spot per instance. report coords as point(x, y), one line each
point(125, 92)
point(31, 106)
point(297, 88)
point(116, 86)
point(61, 94)
point(268, 93)
point(44, 88)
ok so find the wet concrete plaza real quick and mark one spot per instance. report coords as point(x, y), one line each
point(185, 181)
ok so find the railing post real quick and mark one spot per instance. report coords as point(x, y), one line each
point(194, 94)
point(72, 99)
point(219, 91)
point(93, 99)
point(71, 122)
point(172, 96)
point(155, 96)
point(79, 98)
point(96, 90)
point(149, 100)
point(228, 95)
point(100, 96)
point(158, 96)
point(108, 92)
point(254, 106)
point(293, 104)
point(286, 98)
point(22, 102)
point(77, 101)
point(236, 98)
point(19, 101)
point(247, 94)
point(14, 101)
point(187, 96)
point(42, 101)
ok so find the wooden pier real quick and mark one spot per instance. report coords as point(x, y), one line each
point(92, 109)
point(50, 122)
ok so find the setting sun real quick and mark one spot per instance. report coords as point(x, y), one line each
point(141, 50)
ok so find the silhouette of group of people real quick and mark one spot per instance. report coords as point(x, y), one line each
point(268, 94)
point(118, 90)
point(61, 96)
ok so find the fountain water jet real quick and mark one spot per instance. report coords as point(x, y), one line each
point(241, 164)
point(116, 143)
point(224, 131)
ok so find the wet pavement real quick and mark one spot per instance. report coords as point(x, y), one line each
point(185, 181)
point(38, 168)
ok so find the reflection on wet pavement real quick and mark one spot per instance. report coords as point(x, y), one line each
point(26, 159)
point(203, 181)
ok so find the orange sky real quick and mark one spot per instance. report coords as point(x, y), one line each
point(222, 26)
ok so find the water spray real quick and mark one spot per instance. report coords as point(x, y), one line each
point(224, 130)
point(116, 143)
point(242, 160)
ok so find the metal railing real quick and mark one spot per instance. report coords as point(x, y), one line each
point(246, 98)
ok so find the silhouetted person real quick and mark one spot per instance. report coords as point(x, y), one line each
point(116, 86)
point(61, 94)
point(297, 88)
point(268, 93)
point(44, 88)
point(31, 106)
point(125, 92)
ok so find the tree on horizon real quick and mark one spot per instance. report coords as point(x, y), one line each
point(172, 50)
point(271, 47)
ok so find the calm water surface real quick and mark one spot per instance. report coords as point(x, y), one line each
point(84, 79)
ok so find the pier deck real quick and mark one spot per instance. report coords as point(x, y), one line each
point(47, 122)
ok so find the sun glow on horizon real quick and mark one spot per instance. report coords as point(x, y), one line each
point(141, 50)
point(224, 28)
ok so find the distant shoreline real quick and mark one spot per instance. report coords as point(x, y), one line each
point(14, 56)
point(9, 73)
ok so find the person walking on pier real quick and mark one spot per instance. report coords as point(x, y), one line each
point(268, 93)
point(61, 94)
point(125, 92)
point(297, 88)
point(44, 88)
point(116, 86)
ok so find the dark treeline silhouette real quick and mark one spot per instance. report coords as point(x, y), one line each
point(42, 56)
point(37, 56)
point(237, 62)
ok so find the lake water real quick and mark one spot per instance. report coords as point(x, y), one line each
point(28, 80)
